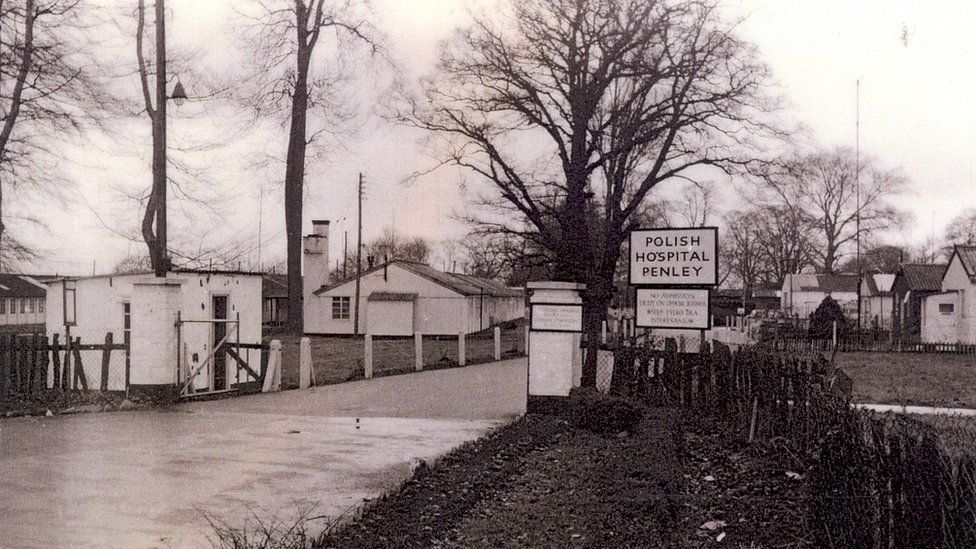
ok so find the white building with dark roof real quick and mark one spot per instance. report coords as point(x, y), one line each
point(400, 298)
point(22, 299)
point(950, 315)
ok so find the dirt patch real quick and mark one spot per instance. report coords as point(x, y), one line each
point(742, 495)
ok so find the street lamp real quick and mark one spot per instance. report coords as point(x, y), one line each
point(179, 94)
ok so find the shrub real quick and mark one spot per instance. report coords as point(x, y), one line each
point(822, 320)
point(600, 413)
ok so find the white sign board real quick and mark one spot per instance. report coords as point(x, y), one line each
point(674, 257)
point(685, 309)
point(557, 318)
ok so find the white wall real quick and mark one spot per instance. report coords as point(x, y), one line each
point(437, 309)
point(391, 318)
point(806, 302)
point(937, 326)
point(100, 302)
point(956, 280)
point(880, 306)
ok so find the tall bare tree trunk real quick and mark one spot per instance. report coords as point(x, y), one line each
point(295, 172)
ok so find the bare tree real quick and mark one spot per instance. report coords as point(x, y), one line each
point(697, 204)
point(298, 47)
point(49, 91)
point(573, 110)
point(823, 185)
point(743, 250)
point(962, 229)
point(787, 240)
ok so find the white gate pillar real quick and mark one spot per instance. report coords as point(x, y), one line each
point(556, 325)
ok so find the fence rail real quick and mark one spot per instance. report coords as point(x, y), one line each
point(870, 346)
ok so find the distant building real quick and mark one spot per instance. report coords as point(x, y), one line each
point(400, 298)
point(802, 293)
point(950, 315)
point(731, 302)
point(274, 299)
point(876, 300)
point(913, 282)
point(22, 299)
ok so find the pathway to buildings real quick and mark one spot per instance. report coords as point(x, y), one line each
point(150, 478)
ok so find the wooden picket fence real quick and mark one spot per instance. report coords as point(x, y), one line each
point(26, 361)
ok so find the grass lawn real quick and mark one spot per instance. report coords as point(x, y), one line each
point(339, 359)
point(912, 378)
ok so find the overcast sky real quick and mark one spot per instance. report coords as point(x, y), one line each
point(917, 113)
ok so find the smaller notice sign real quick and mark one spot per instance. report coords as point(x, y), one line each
point(673, 308)
point(548, 317)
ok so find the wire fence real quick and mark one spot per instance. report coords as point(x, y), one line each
point(874, 480)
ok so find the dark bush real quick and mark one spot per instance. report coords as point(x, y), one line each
point(600, 413)
point(822, 320)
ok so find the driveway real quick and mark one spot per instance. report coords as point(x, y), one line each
point(151, 479)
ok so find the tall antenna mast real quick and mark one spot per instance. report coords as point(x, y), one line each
point(857, 190)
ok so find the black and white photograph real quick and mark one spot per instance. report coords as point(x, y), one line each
point(308, 274)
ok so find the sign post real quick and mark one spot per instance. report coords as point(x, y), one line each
point(674, 271)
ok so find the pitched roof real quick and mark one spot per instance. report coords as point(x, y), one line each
point(14, 285)
point(967, 254)
point(837, 282)
point(392, 296)
point(923, 277)
point(827, 283)
point(274, 285)
point(463, 284)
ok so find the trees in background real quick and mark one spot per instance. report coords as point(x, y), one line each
point(567, 107)
point(50, 90)
point(962, 229)
point(297, 47)
point(823, 186)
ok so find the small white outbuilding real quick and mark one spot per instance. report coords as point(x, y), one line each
point(168, 326)
point(950, 316)
point(400, 298)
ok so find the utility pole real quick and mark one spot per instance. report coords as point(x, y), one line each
point(345, 252)
point(359, 255)
point(857, 190)
point(159, 149)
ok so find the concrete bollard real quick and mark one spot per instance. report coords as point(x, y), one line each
point(272, 376)
point(304, 363)
point(461, 358)
point(498, 343)
point(368, 356)
point(418, 351)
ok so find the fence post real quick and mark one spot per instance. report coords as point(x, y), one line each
point(272, 375)
point(835, 334)
point(461, 358)
point(304, 363)
point(603, 332)
point(4, 371)
point(498, 343)
point(55, 362)
point(368, 356)
point(418, 351)
point(106, 358)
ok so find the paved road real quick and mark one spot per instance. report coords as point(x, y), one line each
point(147, 479)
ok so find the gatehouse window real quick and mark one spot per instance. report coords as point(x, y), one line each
point(340, 308)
